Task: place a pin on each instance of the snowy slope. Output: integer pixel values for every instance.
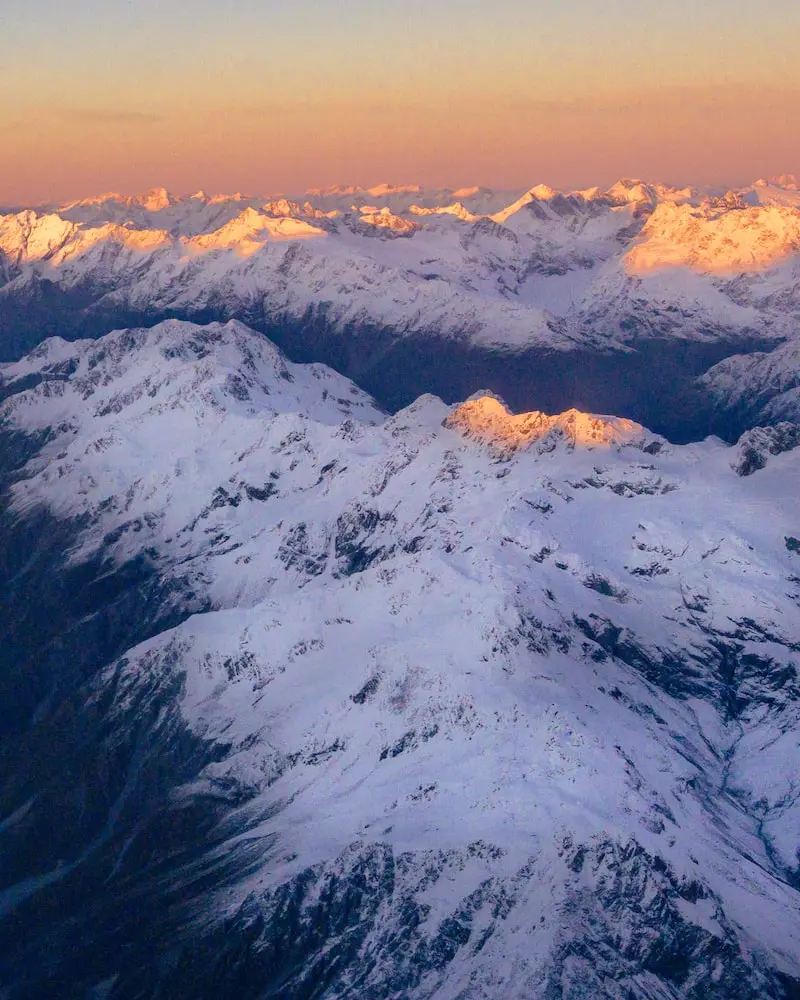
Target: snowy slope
(478, 705)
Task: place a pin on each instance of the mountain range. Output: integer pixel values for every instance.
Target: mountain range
(380, 618)
(550, 299)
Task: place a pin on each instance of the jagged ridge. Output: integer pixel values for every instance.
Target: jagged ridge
(453, 721)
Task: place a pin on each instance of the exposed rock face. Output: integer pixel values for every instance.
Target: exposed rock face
(755, 446)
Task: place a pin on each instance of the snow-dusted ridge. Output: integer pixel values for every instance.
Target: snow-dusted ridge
(761, 387)
(486, 418)
(477, 705)
(502, 283)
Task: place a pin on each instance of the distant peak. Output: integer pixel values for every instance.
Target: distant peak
(219, 199)
(98, 199)
(283, 208)
(334, 190)
(386, 219)
(631, 190)
(155, 199)
(376, 191)
(457, 209)
(250, 229)
(786, 181)
(381, 190)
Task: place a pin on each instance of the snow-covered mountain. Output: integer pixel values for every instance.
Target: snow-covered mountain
(763, 387)
(314, 701)
(611, 300)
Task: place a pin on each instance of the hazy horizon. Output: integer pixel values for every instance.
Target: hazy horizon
(265, 98)
(342, 187)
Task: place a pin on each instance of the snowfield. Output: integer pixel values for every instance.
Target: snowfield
(450, 703)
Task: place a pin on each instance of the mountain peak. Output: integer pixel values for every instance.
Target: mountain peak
(787, 181)
(384, 218)
(457, 208)
(154, 200)
(381, 190)
(485, 418)
(250, 229)
(283, 208)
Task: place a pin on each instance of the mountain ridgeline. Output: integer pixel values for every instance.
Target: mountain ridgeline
(639, 300)
(302, 700)
(379, 619)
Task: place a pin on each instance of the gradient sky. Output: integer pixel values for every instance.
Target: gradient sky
(267, 96)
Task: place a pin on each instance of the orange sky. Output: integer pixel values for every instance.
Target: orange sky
(265, 99)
